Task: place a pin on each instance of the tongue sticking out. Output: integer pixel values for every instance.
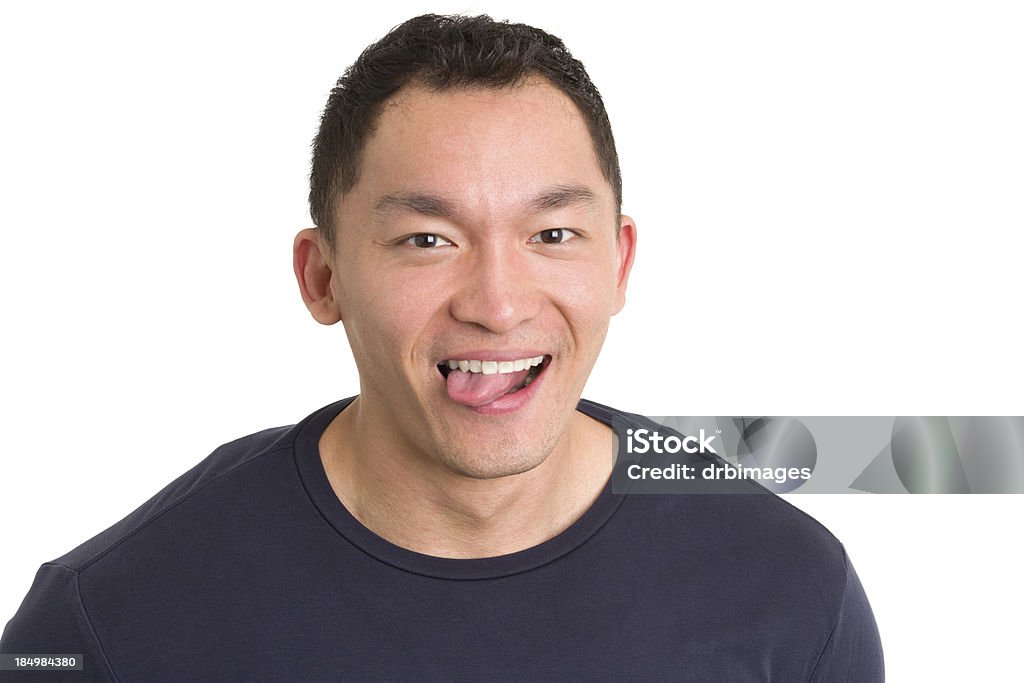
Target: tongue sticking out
(475, 389)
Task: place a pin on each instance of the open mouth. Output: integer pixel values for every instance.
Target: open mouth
(477, 383)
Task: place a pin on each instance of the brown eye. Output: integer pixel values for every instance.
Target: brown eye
(553, 236)
(427, 240)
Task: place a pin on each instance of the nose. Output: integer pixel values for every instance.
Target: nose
(498, 290)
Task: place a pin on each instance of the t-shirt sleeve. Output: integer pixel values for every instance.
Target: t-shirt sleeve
(52, 620)
(853, 652)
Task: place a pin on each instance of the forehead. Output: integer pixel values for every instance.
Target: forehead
(479, 145)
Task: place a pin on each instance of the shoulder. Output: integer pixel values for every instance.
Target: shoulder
(748, 552)
(59, 612)
(756, 538)
(734, 517)
(217, 469)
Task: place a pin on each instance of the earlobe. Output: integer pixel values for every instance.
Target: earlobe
(313, 270)
(626, 249)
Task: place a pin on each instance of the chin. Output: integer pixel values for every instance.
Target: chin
(497, 457)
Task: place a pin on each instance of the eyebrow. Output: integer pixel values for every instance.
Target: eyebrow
(564, 195)
(427, 204)
(416, 202)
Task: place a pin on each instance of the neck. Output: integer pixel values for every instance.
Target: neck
(418, 504)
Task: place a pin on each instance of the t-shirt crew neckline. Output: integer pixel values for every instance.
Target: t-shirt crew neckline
(314, 478)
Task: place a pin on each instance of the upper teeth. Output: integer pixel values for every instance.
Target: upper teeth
(495, 367)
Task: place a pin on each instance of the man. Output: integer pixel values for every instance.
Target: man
(455, 519)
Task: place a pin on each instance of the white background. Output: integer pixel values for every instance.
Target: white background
(829, 204)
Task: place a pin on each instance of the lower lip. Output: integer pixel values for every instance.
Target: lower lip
(509, 403)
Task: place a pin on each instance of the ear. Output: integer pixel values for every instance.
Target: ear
(312, 262)
(626, 249)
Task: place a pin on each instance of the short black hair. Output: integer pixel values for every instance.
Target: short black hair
(443, 52)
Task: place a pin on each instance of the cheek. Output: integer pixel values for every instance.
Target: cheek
(385, 312)
(585, 292)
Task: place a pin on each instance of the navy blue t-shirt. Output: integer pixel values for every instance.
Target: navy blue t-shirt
(248, 567)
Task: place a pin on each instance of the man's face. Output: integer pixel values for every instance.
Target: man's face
(480, 230)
